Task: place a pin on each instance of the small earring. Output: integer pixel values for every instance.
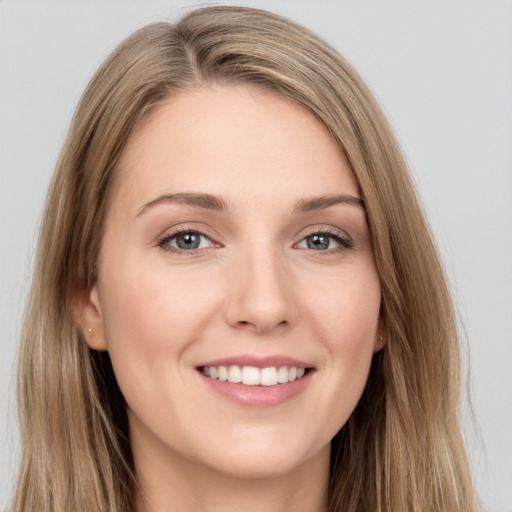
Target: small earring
(89, 331)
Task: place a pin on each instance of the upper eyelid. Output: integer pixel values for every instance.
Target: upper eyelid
(186, 228)
(323, 228)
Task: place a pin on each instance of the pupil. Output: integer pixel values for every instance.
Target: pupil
(188, 241)
(318, 242)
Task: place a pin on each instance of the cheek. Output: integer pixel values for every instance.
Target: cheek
(150, 320)
(346, 316)
(347, 308)
(151, 306)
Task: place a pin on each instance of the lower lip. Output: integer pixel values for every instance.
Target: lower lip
(258, 396)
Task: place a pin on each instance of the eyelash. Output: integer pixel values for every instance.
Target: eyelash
(164, 242)
(344, 241)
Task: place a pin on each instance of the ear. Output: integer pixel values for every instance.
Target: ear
(381, 336)
(87, 315)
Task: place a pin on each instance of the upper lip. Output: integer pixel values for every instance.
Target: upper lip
(257, 361)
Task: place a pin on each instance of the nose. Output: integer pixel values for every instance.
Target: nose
(261, 296)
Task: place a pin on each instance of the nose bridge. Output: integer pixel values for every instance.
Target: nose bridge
(261, 295)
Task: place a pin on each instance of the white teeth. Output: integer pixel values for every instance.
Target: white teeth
(252, 376)
(269, 376)
(223, 373)
(282, 375)
(234, 374)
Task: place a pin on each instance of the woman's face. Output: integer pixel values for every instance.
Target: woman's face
(235, 247)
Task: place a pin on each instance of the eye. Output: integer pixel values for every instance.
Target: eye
(324, 241)
(186, 241)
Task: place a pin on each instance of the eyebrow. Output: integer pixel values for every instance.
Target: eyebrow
(323, 202)
(216, 203)
(205, 201)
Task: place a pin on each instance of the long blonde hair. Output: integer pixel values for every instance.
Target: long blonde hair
(401, 449)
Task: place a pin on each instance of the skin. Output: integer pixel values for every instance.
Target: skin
(253, 287)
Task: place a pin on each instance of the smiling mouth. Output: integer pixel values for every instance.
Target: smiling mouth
(253, 376)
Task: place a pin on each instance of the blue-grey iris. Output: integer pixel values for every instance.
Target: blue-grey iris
(318, 242)
(188, 240)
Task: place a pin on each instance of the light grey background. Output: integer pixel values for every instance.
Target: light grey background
(441, 70)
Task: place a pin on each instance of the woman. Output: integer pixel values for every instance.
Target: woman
(237, 303)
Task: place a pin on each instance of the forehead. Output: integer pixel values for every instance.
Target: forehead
(237, 141)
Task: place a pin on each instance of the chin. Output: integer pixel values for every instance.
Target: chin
(270, 457)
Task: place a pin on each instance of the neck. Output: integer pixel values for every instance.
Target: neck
(169, 481)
